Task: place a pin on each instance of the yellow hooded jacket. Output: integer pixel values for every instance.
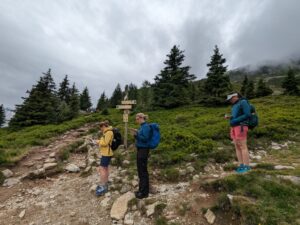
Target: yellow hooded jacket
(105, 142)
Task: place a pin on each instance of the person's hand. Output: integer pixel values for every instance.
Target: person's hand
(133, 131)
(226, 116)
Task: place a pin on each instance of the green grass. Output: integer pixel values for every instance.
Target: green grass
(265, 199)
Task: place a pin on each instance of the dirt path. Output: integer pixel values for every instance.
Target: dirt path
(69, 198)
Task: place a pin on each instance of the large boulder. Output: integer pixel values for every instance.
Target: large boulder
(120, 206)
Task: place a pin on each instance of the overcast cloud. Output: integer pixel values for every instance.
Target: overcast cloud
(102, 43)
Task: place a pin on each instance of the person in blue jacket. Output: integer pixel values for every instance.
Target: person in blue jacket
(142, 137)
(240, 114)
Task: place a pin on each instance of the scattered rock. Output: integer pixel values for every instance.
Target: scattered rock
(50, 160)
(7, 173)
(93, 188)
(253, 165)
(22, 214)
(52, 155)
(48, 166)
(42, 204)
(125, 188)
(210, 216)
(128, 219)
(11, 182)
(126, 162)
(72, 168)
(293, 179)
(275, 146)
(280, 167)
(120, 206)
(134, 183)
(182, 172)
(105, 202)
(196, 177)
(151, 209)
(72, 214)
(190, 169)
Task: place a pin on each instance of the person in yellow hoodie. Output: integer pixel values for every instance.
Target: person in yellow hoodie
(106, 154)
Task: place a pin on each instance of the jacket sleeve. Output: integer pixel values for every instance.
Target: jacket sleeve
(106, 139)
(143, 134)
(246, 113)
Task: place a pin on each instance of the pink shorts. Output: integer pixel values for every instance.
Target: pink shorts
(239, 133)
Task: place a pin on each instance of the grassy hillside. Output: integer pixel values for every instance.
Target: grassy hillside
(199, 135)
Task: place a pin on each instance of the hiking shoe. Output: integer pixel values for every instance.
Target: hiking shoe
(101, 190)
(244, 169)
(239, 168)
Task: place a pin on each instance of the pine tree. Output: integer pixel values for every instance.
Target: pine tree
(262, 89)
(244, 86)
(40, 107)
(85, 100)
(116, 97)
(290, 84)
(74, 103)
(250, 91)
(132, 91)
(2, 115)
(102, 102)
(171, 85)
(64, 90)
(217, 83)
(145, 96)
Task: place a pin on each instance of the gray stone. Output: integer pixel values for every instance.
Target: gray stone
(120, 206)
(196, 177)
(7, 173)
(11, 182)
(190, 169)
(210, 216)
(125, 188)
(93, 188)
(52, 155)
(126, 162)
(50, 160)
(280, 167)
(128, 219)
(72, 168)
(22, 214)
(48, 166)
(182, 172)
(151, 209)
(134, 183)
(293, 179)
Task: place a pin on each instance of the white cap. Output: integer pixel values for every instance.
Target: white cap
(230, 96)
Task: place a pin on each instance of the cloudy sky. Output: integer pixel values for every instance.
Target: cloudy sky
(102, 43)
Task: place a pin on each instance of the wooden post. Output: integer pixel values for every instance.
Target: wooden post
(126, 106)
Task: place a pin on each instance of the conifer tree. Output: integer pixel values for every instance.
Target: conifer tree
(64, 90)
(262, 89)
(74, 103)
(244, 86)
(2, 115)
(102, 102)
(85, 100)
(116, 97)
(171, 85)
(250, 91)
(290, 84)
(41, 105)
(217, 83)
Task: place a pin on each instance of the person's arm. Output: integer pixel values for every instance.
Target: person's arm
(143, 134)
(245, 107)
(106, 139)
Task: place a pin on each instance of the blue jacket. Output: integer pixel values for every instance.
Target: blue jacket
(240, 113)
(143, 135)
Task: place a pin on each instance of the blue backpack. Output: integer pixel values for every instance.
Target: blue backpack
(155, 135)
(252, 122)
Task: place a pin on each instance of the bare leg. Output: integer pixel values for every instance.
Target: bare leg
(245, 152)
(104, 175)
(238, 152)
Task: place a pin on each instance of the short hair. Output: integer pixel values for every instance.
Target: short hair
(104, 123)
(142, 115)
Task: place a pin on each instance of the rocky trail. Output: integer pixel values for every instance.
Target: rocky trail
(42, 189)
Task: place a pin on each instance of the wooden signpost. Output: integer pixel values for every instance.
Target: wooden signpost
(126, 105)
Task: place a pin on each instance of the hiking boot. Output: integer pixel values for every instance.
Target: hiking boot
(244, 169)
(101, 190)
(141, 195)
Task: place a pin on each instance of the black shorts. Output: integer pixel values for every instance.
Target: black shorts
(105, 161)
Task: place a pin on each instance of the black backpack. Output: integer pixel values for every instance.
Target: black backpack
(117, 139)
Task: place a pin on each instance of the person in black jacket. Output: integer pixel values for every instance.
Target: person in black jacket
(142, 136)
